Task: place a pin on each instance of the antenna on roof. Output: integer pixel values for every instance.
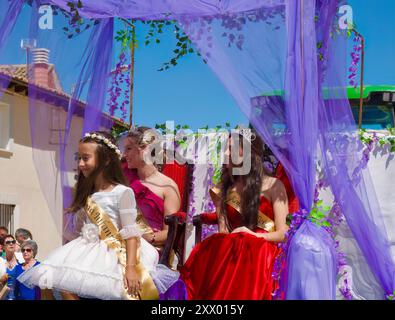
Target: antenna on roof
(28, 44)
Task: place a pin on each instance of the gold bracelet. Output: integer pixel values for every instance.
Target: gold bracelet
(131, 265)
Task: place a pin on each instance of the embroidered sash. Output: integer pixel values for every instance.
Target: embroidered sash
(233, 199)
(110, 235)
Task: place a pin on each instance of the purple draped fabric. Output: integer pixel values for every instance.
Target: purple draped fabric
(95, 71)
(9, 13)
(312, 257)
(177, 291)
(266, 54)
(9, 17)
(311, 263)
(165, 9)
(341, 157)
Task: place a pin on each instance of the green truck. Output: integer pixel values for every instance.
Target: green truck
(378, 111)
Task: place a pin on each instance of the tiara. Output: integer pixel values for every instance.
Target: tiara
(106, 141)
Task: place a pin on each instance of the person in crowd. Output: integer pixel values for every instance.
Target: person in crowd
(22, 235)
(11, 263)
(29, 250)
(3, 233)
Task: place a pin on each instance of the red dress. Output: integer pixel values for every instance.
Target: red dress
(236, 266)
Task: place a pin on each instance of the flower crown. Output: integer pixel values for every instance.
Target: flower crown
(106, 141)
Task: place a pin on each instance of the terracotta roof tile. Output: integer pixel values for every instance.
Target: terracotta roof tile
(18, 72)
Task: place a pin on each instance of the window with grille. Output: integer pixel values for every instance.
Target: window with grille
(5, 125)
(7, 217)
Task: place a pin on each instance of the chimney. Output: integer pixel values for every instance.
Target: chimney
(41, 66)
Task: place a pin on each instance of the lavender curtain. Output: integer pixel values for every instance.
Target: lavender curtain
(95, 73)
(341, 157)
(9, 13)
(266, 54)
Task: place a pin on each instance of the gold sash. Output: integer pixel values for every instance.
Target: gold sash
(233, 199)
(110, 235)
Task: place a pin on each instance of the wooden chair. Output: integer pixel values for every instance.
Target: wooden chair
(211, 217)
(182, 175)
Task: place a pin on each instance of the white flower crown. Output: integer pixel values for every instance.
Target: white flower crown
(106, 141)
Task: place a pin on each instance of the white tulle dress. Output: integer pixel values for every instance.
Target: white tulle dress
(86, 266)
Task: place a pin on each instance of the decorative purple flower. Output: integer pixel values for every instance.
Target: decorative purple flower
(355, 58)
(115, 90)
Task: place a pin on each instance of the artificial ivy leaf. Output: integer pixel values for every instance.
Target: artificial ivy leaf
(326, 224)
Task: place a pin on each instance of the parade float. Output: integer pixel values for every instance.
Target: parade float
(294, 48)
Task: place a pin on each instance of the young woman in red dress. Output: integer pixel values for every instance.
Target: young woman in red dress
(236, 263)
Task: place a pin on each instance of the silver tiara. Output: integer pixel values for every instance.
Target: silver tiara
(247, 134)
(106, 141)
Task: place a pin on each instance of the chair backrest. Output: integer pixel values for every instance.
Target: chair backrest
(293, 201)
(182, 176)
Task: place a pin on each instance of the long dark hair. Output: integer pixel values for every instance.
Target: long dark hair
(108, 163)
(252, 182)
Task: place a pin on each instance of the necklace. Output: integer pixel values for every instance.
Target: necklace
(11, 263)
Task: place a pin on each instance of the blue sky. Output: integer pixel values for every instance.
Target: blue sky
(191, 94)
(375, 20)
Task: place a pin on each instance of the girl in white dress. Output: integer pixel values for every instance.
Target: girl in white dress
(93, 264)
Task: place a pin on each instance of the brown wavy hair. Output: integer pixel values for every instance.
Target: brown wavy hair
(108, 163)
(252, 183)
